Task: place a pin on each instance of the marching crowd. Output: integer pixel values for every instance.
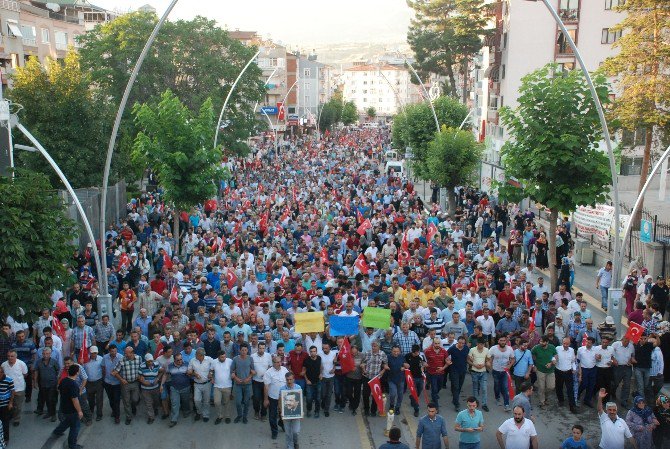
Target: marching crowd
(208, 324)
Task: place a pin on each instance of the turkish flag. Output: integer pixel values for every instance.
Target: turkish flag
(238, 227)
(432, 267)
(57, 326)
(403, 257)
(124, 261)
(231, 279)
(634, 332)
(347, 362)
(404, 244)
(246, 205)
(359, 216)
(364, 227)
(376, 390)
(174, 295)
(429, 251)
(361, 264)
(347, 203)
(263, 224)
(526, 298)
(443, 271)
(409, 380)
(83, 352)
(585, 338)
(167, 262)
(280, 111)
(324, 255)
(432, 231)
(159, 350)
(510, 385)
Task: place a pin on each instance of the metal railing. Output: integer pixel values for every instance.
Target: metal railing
(32, 41)
(10, 5)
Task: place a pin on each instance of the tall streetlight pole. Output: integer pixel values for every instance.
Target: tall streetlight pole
(425, 93)
(614, 297)
(265, 113)
(87, 225)
(104, 297)
(230, 93)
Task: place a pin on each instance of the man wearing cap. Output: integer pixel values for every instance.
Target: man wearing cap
(149, 378)
(200, 369)
(94, 387)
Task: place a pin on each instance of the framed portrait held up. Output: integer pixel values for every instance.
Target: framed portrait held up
(291, 404)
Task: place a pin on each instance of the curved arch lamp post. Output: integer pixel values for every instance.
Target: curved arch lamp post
(230, 93)
(614, 311)
(283, 103)
(70, 190)
(425, 92)
(105, 298)
(265, 113)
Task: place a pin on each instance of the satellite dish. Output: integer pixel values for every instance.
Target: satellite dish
(53, 6)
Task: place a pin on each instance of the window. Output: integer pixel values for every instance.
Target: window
(45, 36)
(365, 100)
(501, 101)
(15, 60)
(365, 82)
(609, 37)
(13, 29)
(307, 73)
(61, 40)
(569, 4)
(611, 4)
(563, 47)
(29, 35)
(365, 91)
(306, 99)
(569, 10)
(566, 66)
(502, 74)
(504, 40)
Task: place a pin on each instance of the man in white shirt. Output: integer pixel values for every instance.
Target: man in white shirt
(623, 361)
(485, 320)
(274, 378)
(328, 358)
(519, 432)
(566, 359)
(614, 430)
(223, 385)
(199, 368)
(604, 364)
(586, 355)
(17, 370)
(262, 362)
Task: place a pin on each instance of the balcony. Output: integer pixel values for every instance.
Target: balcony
(569, 15)
(492, 116)
(10, 5)
(30, 41)
(61, 46)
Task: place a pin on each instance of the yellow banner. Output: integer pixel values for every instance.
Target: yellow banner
(309, 322)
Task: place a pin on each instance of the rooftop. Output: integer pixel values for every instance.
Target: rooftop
(372, 68)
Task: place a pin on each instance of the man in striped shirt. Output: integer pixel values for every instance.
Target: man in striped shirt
(149, 378)
(434, 322)
(6, 402)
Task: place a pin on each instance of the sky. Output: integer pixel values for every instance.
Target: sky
(294, 22)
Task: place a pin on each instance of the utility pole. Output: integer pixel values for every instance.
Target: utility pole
(6, 153)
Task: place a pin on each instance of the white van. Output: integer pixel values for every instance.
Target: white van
(391, 155)
(398, 168)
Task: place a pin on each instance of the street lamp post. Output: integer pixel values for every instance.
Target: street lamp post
(283, 105)
(104, 297)
(230, 93)
(87, 225)
(613, 302)
(265, 113)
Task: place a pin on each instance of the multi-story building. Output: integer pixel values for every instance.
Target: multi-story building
(525, 39)
(312, 80)
(388, 88)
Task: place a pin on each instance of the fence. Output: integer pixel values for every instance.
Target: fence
(634, 246)
(90, 201)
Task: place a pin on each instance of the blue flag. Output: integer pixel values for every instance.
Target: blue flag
(343, 325)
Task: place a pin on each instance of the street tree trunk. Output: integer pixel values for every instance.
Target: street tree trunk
(452, 82)
(553, 218)
(464, 71)
(646, 162)
(176, 232)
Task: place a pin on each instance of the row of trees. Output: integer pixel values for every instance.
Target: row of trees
(336, 110)
(448, 158)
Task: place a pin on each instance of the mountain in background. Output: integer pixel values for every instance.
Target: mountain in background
(347, 53)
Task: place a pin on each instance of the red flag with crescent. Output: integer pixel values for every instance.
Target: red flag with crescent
(634, 332)
(364, 227)
(409, 380)
(376, 390)
(231, 279)
(359, 216)
(324, 255)
(347, 362)
(432, 231)
(510, 385)
(361, 264)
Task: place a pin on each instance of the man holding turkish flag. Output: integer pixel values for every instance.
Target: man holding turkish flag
(364, 226)
(375, 387)
(374, 365)
(432, 231)
(324, 256)
(359, 216)
(345, 357)
(361, 264)
(231, 279)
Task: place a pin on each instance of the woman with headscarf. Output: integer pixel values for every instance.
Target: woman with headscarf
(662, 432)
(642, 422)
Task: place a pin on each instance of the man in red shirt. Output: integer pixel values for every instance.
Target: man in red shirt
(506, 296)
(437, 362)
(296, 358)
(158, 285)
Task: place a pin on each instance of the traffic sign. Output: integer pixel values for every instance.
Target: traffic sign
(269, 110)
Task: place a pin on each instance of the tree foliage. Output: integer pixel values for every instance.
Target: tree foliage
(36, 240)
(553, 151)
(371, 112)
(453, 157)
(446, 34)
(641, 72)
(349, 113)
(195, 58)
(331, 111)
(415, 128)
(71, 120)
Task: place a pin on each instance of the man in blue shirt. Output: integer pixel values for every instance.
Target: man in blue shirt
(470, 423)
(523, 363)
(432, 430)
(459, 366)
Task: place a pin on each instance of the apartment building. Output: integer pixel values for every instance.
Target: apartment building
(525, 39)
(386, 87)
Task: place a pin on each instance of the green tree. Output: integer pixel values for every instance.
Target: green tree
(36, 240)
(553, 151)
(453, 158)
(69, 118)
(371, 113)
(195, 58)
(178, 143)
(349, 113)
(640, 70)
(415, 128)
(331, 111)
(445, 35)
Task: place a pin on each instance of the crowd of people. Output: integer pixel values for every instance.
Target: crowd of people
(208, 313)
